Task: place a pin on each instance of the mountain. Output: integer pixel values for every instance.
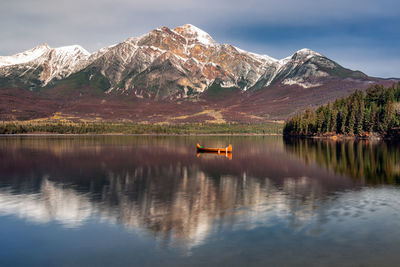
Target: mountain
(37, 67)
(182, 73)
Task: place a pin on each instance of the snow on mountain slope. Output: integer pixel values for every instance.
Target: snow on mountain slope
(46, 62)
(303, 68)
(24, 57)
(193, 34)
(265, 58)
(63, 61)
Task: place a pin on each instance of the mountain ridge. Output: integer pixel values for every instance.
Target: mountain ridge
(180, 64)
(191, 35)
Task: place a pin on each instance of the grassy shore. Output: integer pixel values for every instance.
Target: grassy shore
(20, 127)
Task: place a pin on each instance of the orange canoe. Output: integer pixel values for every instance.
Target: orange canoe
(227, 149)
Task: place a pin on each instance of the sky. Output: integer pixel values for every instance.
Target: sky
(358, 34)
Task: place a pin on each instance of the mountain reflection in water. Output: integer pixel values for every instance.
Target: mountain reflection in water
(160, 185)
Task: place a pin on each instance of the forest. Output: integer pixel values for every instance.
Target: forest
(377, 110)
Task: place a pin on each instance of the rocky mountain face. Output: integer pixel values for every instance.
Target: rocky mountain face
(181, 63)
(177, 63)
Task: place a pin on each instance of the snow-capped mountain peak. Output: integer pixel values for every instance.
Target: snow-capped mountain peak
(195, 34)
(306, 52)
(25, 56)
(72, 50)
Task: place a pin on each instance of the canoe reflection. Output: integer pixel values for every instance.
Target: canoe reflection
(214, 154)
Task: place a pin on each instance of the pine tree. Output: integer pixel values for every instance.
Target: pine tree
(351, 117)
(319, 121)
(367, 123)
(333, 124)
(388, 123)
(343, 120)
(397, 92)
(360, 118)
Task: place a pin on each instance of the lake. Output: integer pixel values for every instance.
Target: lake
(153, 201)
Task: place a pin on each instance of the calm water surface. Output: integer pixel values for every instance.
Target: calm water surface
(152, 201)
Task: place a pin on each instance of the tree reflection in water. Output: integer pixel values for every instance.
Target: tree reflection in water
(372, 162)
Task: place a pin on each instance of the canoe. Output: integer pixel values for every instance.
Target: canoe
(227, 149)
(221, 154)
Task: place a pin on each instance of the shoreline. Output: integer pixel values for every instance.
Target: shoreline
(124, 134)
(372, 138)
(196, 129)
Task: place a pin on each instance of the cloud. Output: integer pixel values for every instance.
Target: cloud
(254, 23)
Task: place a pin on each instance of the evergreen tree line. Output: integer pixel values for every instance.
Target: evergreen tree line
(137, 128)
(376, 110)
